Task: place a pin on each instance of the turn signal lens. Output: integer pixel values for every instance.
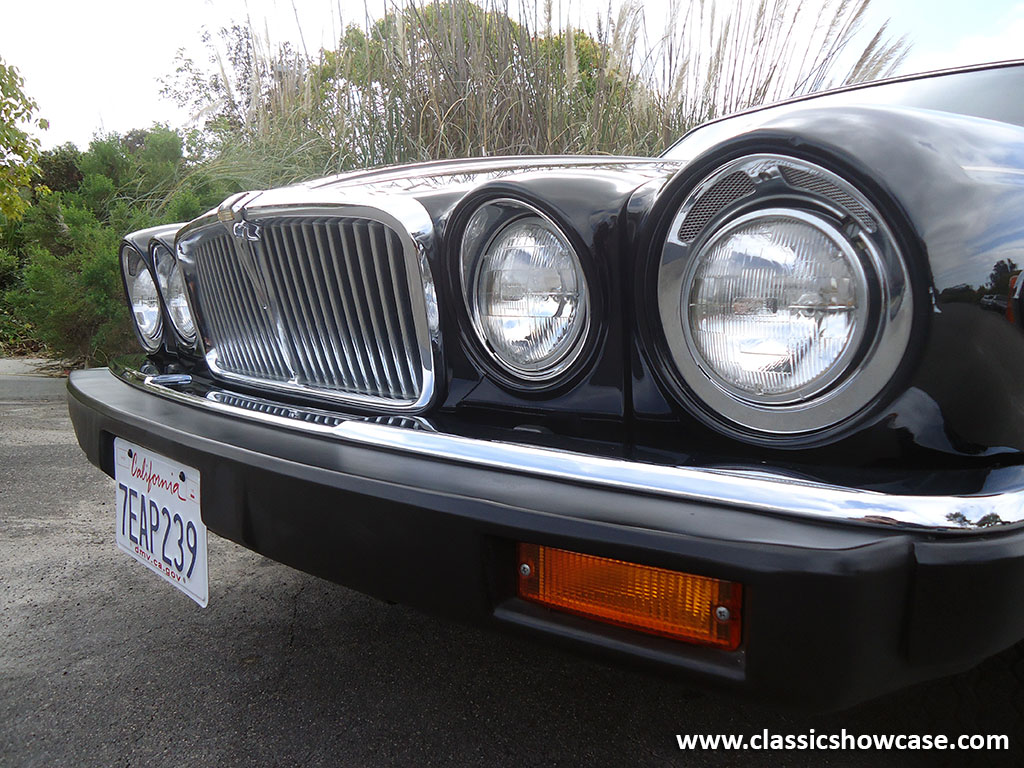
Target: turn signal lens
(682, 606)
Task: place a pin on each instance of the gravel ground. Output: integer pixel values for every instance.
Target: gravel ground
(103, 664)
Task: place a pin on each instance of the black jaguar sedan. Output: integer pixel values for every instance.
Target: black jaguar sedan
(736, 412)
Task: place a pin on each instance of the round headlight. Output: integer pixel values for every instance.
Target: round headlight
(172, 285)
(784, 300)
(143, 297)
(775, 306)
(526, 293)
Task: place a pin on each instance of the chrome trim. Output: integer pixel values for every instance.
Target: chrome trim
(756, 491)
(171, 379)
(881, 353)
(406, 218)
(156, 244)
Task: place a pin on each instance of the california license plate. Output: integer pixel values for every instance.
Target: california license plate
(158, 519)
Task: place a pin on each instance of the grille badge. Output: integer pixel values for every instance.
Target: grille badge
(246, 230)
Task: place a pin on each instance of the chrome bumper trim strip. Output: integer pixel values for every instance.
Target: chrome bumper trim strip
(757, 491)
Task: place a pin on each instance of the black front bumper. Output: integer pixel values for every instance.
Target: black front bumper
(833, 613)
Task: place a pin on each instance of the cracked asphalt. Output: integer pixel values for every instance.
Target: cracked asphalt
(103, 664)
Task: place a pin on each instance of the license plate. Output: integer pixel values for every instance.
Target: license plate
(158, 520)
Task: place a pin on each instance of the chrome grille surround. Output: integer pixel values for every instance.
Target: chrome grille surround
(326, 299)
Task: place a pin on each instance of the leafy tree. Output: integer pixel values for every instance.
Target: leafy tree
(19, 150)
(999, 278)
(59, 168)
(59, 272)
(429, 79)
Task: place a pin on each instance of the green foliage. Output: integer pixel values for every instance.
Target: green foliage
(19, 150)
(60, 284)
(75, 303)
(184, 205)
(58, 168)
(9, 269)
(453, 78)
(427, 80)
(999, 277)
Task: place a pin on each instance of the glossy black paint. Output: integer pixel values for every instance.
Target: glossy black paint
(952, 187)
(943, 156)
(832, 615)
(586, 198)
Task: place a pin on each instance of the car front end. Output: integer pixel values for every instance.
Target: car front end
(736, 412)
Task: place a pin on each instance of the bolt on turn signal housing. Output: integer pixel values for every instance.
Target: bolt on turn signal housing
(658, 601)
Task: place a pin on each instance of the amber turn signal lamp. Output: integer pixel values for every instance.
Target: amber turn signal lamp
(694, 609)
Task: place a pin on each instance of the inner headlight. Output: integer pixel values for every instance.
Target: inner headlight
(172, 285)
(776, 305)
(143, 297)
(525, 290)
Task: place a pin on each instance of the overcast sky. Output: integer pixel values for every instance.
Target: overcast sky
(93, 65)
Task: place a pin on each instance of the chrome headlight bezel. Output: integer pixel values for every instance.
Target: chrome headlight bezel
(759, 185)
(485, 224)
(162, 256)
(135, 267)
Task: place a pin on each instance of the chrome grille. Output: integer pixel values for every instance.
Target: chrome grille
(241, 329)
(321, 303)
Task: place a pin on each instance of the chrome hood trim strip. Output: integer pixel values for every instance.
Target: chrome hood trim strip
(755, 491)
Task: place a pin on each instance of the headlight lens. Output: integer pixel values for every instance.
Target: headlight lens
(785, 302)
(527, 296)
(142, 294)
(776, 305)
(172, 285)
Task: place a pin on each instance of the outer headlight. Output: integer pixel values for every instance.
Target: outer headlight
(143, 297)
(171, 280)
(525, 290)
(783, 297)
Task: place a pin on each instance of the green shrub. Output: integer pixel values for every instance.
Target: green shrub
(184, 205)
(70, 294)
(74, 304)
(10, 269)
(430, 79)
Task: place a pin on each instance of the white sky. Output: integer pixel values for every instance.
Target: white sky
(93, 65)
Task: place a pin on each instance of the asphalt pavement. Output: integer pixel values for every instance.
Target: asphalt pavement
(104, 664)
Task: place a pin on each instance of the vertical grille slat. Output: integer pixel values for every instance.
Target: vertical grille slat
(264, 355)
(285, 306)
(305, 328)
(321, 308)
(342, 281)
(353, 290)
(291, 304)
(403, 304)
(237, 309)
(388, 308)
(366, 293)
(242, 308)
(340, 318)
(346, 354)
(219, 315)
